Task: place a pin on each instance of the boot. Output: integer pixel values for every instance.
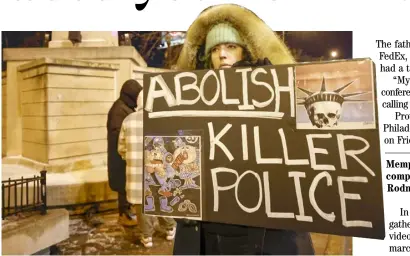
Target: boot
(164, 205)
(127, 220)
(150, 206)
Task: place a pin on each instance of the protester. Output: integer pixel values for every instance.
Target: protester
(121, 108)
(130, 147)
(226, 36)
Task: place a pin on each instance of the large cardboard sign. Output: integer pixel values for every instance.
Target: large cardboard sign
(288, 147)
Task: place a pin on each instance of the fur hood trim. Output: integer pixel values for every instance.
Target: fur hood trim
(259, 38)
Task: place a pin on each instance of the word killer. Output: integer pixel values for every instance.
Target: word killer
(215, 140)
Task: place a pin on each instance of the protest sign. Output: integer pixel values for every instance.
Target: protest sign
(287, 147)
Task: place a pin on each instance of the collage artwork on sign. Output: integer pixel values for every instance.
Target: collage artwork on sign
(172, 176)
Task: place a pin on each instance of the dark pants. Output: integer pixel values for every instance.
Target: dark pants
(273, 242)
(199, 238)
(123, 205)
(224, 245)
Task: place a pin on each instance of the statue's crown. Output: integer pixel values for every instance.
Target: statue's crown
(325, 95)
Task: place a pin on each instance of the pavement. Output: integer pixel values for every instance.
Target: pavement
(87, 237)
(109, 238)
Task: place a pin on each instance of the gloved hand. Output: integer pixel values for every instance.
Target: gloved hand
(264, 62)
(257, 63)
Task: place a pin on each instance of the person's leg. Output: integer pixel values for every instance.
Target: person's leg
(122, 202)
(210, 244)
(188, 238)
(145, 227)
(169, 225)
(222, 244)
(226, 239)
(287, 242)
(125, 218)
(234, 245)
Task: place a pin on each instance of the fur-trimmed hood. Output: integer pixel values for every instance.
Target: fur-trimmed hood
(259, 38)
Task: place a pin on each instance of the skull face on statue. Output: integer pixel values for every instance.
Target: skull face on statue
(325, 113)
(324, 107)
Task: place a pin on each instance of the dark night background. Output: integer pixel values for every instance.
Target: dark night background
(305, 45)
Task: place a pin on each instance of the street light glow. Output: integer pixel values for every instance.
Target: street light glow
(333, 54)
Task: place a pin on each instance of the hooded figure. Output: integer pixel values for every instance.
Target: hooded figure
(121, 108)
(233, 27)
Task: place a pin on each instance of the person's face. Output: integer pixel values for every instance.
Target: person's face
(225, 55)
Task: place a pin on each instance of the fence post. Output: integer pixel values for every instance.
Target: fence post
(21, 193)
(3, 204)
(15, 197)
(8, 197)
(34, 192)
(44, 191)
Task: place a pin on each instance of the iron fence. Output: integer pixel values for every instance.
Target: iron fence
(16, 193)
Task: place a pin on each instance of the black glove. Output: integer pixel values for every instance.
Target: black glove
(257, 63)
(264, 62)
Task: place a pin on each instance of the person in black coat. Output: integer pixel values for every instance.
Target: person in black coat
(226, 36)
(121, 108)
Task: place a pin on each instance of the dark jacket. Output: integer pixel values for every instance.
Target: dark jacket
(212, 238)
(200, 238)
(121, 108)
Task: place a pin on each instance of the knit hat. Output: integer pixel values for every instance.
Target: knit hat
(222, 33)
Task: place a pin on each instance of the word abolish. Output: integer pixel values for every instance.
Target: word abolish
(218, 83)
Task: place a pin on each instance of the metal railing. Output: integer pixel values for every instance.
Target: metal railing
(16, 193)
